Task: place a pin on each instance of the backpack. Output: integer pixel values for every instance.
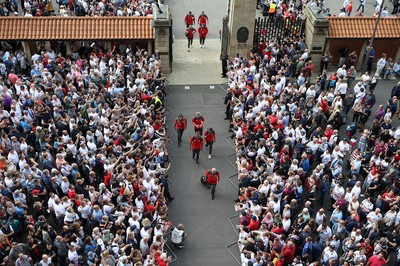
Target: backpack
(351, 129)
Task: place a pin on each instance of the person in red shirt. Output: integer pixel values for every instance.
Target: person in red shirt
(107, 178)
(190, 35)
(196, 144)
(161, 258)
(377, 260)
(213, 177)
(209, 139)
(254, 223)
(202, 19)
(149, 207)
(203, 30)
(328, 132)
(198, 122)
(180, 125)
(189, 19)
(288, 252)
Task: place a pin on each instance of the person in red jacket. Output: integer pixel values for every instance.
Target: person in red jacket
(189, 19)
(209, 139)
(196, 144)
(180, 125)
(203, 30)
(202, 19)
(198, 122)
(289, 250)
(212, 180)
(190, 35)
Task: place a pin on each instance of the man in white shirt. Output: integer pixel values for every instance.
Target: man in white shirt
(329, 253)
(374, 217)
(85, 209)
(59, 210)
(13, 157)
(341, 88)
(358, 87)
(342, 72)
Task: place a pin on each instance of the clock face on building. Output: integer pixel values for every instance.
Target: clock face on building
(242, 35)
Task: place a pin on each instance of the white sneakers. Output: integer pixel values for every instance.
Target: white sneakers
(209, 156)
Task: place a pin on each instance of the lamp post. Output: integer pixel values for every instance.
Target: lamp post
(371, 41)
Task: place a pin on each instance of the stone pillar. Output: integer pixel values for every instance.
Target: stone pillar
(361, 56)
(316, 33)
(29, 49)
(162, 24)
(397, 57)
(150, 47)
(242, 15)
(69, 49)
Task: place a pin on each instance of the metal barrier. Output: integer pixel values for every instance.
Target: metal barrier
(172, 253)
(230, 181)
(167, 109)
(230, 252)
(220, 85)
(169, 143)
(227, 158)
(233, 225)
(171, 183)
(230, 143)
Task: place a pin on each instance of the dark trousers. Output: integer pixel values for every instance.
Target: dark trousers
(369, 66)
(362, 8)
(321, 198)
(324, 65)
(167, 194)
(227, 111)
(190, 42)
(180, 133)
(209, 144)
(224, 67)
(200, 130)
(202, 40)
(195, 154)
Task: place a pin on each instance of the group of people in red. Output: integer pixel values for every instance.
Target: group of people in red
(190, 21)
(196, 144)
(198, 140)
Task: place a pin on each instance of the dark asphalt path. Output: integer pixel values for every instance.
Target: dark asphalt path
(206, 221)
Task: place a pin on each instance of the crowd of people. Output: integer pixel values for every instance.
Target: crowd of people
(293, 9)
(83, 159)
(41, 8)
(311, 193)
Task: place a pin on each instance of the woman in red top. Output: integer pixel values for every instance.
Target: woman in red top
(209, 139)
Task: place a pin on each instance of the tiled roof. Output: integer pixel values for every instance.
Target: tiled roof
(75, 28)
(362, 27)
